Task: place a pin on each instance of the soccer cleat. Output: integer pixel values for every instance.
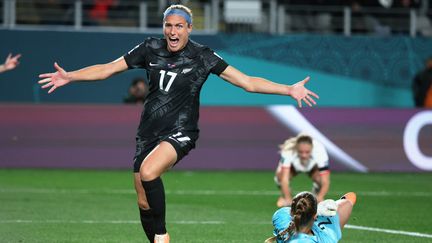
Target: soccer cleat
(350, 196)
(162, 238)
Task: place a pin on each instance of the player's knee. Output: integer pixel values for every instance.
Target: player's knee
(147, 174)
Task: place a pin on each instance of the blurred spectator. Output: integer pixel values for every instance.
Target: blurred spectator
(368, 20)
(422, 86)
(137, 91)
(10, 63)
(99, 11)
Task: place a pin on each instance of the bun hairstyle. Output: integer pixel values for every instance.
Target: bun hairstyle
(303, 210)
(291, 143)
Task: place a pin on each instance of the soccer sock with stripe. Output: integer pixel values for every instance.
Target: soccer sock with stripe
(147, 223)
(155, 194)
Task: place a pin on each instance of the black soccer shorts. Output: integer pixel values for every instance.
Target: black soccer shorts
(182, 141)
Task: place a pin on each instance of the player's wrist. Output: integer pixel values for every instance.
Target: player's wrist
(70, 77)
(288, 90)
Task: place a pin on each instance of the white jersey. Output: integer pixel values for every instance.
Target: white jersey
(319, 158)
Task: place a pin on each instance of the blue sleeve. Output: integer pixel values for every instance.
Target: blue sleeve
(336, 224)
(329, 228)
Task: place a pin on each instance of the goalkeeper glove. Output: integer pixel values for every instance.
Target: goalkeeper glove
(327, 208)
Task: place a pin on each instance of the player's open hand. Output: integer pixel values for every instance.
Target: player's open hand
(11, 61)
(301, 94)
(54, 80)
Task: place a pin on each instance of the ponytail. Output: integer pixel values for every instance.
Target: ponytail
(303, 210)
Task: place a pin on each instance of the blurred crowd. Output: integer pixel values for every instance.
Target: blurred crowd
(381, 17)
(369, 16)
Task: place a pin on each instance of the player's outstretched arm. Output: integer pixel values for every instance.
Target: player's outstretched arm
(297, 91)
(91, 73)
(325, 185)
(285, 187)
(10, 63)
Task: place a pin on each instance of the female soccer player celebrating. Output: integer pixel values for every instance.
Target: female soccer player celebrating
(308, 221)
(177, 68)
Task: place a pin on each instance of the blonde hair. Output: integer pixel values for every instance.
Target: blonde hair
(180, 7)
(291, 143)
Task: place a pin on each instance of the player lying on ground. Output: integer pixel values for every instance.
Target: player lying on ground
(308, 221)
(177, 67)
(302, 154)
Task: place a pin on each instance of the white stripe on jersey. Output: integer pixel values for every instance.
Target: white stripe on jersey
(182, 139)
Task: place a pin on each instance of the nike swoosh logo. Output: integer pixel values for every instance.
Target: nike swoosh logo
(153, 64)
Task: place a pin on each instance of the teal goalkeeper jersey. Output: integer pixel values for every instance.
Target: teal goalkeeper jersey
(325, 229)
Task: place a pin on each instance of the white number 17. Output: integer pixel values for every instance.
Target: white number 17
(162, 77)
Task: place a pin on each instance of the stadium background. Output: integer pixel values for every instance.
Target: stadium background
(364, 81)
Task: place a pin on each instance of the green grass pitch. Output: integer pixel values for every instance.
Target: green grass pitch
(100, 206)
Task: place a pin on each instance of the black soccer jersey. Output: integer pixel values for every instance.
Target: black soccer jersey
(175, 81)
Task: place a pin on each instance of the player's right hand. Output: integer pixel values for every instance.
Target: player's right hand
(54, 80)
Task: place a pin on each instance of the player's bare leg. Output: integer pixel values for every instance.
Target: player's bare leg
(157, 162)
(345, 206)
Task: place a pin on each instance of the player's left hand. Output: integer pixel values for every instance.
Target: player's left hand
(282, 202)
(11, 61)
(301, 94)
(327, 208)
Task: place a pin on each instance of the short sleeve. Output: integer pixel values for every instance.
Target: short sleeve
(287, 158)
(320, 156)
(213, 62)
(135, 58)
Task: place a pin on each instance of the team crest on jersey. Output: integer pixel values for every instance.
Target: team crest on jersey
(186, 70)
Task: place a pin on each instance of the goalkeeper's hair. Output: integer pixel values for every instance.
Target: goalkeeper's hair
(303, 209)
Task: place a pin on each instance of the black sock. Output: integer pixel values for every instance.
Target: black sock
(147, 223)
(155, 194)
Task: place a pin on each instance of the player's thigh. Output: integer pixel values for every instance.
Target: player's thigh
(160, 159)
(344, 211)
(141, 197)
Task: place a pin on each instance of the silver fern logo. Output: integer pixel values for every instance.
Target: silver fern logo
(186, 70)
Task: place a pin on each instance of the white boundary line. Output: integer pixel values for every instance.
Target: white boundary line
(202, 192)
(195, 222)
(55, 221)
(389, 231)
